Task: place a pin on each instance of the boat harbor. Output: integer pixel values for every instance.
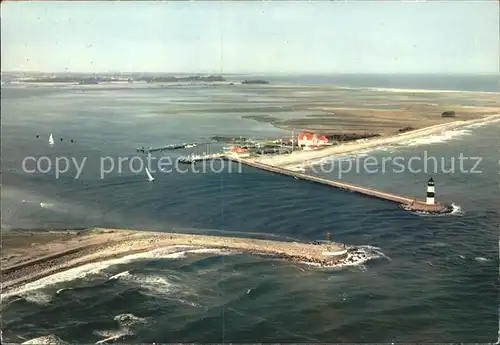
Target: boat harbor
(247, 149)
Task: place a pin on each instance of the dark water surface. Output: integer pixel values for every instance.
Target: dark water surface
(437, 279)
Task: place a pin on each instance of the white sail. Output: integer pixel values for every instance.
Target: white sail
(51, 139)
(150, 178)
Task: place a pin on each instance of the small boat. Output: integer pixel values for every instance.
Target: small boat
(150, 177)
(51, 139)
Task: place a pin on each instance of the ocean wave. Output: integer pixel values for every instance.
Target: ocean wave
(96, 268)
(46, 205)
(357, 256)
(125, 321)
(124, 274)
(456, 211)
(430, 139)
(46, 339)
(153, 283)
(482, 124)
(436, 138)
(129, 319)
(481, 259)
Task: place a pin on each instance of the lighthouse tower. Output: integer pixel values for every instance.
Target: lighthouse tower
(430, 192)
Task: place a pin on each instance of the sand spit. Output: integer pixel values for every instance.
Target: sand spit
(31, 263)
(304, 158)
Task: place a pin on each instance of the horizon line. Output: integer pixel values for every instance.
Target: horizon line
(258, 73)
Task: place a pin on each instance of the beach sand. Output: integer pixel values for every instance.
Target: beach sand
(301, 159)
(29, 256)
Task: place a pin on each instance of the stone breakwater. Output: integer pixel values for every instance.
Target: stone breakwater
(32, 262)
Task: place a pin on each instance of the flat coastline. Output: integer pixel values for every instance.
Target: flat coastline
(29, 256)
(301, 159)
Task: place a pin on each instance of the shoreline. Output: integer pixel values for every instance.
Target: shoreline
(33, 261)
(300, 159)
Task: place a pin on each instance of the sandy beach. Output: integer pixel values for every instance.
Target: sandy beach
(300, 159)
(29, 256)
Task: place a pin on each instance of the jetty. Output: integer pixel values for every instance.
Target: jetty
(409, 204)
(167, 147)
(193, 158)
(31, 261)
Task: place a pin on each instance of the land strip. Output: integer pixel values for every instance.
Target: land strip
(33, 262)
(304, 158)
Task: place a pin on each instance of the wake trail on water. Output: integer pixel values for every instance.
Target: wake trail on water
(47, 205)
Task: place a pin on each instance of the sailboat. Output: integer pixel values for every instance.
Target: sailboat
(51, 139)
(150, 178)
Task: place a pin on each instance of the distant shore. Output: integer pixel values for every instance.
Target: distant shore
(29, 256)
(301, 159)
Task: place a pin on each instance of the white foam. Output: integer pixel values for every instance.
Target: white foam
(436, 138)
(481, 124)
(129, 319)
(438, 244)
(125, 321)
(46, 339)
(357, 256)
(37, 297)
(46, 205)
(153, 283)
(481, 259)
(95, 268)
(396, 90)
(113, 335)
(457, 210)
(120, 275)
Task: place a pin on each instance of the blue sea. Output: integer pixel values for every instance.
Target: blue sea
(427, 278)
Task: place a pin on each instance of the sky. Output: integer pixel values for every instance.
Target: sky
(449, 37)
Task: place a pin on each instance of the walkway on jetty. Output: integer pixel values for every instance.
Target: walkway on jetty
(90, 246)
(411, 203)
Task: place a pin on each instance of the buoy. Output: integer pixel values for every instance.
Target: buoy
(61, 139)
(38, 135)
(72, 140)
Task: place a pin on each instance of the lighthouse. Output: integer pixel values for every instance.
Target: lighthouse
(430, 192)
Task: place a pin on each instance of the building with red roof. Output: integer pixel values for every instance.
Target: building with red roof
(239, 151)
(308, 140)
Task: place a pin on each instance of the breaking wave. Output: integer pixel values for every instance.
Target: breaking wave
(95, 268)
(125, 321)
(46, 339)
(437, 138)
(456, 211)
(356, 256)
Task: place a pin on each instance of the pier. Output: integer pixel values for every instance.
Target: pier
(168, 147)
(191, 159)
(409, 204)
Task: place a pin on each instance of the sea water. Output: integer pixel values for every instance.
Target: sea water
(429, 279)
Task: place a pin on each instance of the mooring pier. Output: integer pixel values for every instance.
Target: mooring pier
(407, 203)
